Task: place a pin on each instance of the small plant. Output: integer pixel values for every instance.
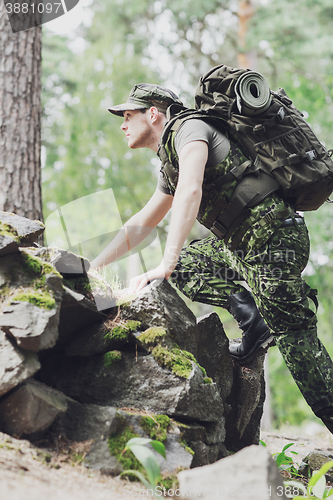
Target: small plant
(316, 489)
(147, 459)
(286, 463)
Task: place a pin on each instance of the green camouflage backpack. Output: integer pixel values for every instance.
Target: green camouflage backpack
(271, 131)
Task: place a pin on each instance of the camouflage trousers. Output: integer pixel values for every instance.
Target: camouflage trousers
(207, 271)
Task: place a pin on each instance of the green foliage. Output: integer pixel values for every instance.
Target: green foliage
(121, 332)
(316, 488)
(174, 359)
(152, 335)
(111, 357)
(117, 442)
(156, 427)
(148, 460)
(39, 298)
(285, 462)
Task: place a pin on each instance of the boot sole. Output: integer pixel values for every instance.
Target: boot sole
(264, 342)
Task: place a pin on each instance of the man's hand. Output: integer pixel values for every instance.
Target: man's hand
(141, 281)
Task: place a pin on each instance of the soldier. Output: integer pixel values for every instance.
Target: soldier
(268, 249)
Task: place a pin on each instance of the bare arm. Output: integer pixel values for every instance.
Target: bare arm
(136, 229)
(192, 161)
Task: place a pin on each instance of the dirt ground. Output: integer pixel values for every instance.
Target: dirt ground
(31, 473)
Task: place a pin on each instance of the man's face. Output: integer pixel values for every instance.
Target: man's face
(137, 128)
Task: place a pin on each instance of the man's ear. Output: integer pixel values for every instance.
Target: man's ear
(153, 114)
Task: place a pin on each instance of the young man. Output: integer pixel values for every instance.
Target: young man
(268, 247)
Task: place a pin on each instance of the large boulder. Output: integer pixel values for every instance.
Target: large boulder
(30, 409)
(250, 473)
(16, 365)
(124, 379)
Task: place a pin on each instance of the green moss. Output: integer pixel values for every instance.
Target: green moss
(186, 446)
(39, 298)
(208, 380)
(122, 332)
(170, 482)
(111, 357)
(117, 442)
(30, 264)
(8, 230)
(156, 427)
(174, 359)
(152, 336)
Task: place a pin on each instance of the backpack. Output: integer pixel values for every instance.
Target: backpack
(272, 132)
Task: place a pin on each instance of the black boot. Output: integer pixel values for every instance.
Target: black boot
(256, 333)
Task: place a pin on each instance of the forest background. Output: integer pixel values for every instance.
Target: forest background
(89, 173)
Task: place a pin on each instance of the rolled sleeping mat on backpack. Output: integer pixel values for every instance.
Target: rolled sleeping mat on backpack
(252, 93)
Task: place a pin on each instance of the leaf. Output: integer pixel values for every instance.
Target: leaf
(148, 460)
(159, 447)
(262, 443)
(317, 474)
(138, 441)
(287, 446)
(328, 492)
(142, 479)
(319, 488)
(298, 486)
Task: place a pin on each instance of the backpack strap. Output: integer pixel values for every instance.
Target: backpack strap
(250, 191)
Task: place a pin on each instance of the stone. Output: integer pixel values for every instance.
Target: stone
(8, 245)
(30, 409)
(33, 328)
(83, 422)
(245, 403)
(64, 261)
(313, 462)
(27, 230)
(134, 381)
(77, 312)
(177, 456)
(158, 304)
(250, 473)
(99, 458)
(16, 365)
(94, 340)
(212, 347)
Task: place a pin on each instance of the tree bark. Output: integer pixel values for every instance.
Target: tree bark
(20, 119)
(245, 13)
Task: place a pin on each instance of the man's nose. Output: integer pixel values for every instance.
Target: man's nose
(123, 126)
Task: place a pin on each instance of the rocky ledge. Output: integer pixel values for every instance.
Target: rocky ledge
(78, 362)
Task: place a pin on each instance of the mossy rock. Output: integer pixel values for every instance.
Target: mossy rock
(123, 331)
(156, 427)
(8, 230)
(29, 279)
(38, 298)
(117, 442)
(111, 357)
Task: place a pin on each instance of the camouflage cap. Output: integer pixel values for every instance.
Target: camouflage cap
(145, 95)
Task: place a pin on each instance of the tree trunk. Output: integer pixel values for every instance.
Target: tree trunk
(245, 13)
(20, 119)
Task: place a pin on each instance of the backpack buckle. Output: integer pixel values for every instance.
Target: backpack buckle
(281, 114)
(312, 155)
(218, 229)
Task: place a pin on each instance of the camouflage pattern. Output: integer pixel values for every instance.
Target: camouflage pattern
(145, 95)
(261, 221)
(270, 259)
(208, 271)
